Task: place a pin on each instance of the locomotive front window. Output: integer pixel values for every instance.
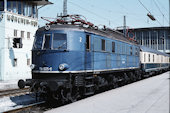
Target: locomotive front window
(38, 41)
(47, 41)
(59, 41)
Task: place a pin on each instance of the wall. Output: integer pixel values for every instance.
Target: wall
(2, 35)
(22, 70)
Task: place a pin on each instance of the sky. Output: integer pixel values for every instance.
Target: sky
(111, 12)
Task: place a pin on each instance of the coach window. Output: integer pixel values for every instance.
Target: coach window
(88, 42)
(113, 47)
(144, 57)
(47, 41)
(149, 57)
(103, 45)
(161, 59)
(153, 58)
(59, 41)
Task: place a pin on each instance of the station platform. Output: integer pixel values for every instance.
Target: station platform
(150, 95)
(8, 85)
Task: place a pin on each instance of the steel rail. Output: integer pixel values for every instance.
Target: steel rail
(13, 92)
(19, 109)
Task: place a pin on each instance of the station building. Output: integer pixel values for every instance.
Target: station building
(18, 24)
(157, 38)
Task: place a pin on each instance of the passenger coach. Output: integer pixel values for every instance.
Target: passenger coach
(152, 61)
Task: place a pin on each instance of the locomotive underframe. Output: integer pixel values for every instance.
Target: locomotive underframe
(72, 86)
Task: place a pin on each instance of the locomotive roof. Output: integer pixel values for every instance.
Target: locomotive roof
(107, 32)
(146, 49)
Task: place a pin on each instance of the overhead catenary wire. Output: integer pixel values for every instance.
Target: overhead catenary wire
(144, 6)
(160, 11)
(149, 12)
(162, 6)
(101, 8)
(90, 11)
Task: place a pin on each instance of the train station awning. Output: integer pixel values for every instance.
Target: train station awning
(37, 2)
(40, 2)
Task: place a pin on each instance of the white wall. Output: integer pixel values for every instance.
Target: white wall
(2, 31)
(22, 70)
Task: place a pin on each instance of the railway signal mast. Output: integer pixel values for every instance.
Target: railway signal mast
(65, 9)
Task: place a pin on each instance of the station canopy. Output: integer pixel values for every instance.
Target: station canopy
(37, 2)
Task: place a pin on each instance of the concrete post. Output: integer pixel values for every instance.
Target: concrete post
(5, 5)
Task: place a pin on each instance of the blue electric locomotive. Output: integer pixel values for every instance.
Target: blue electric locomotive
(74, 58)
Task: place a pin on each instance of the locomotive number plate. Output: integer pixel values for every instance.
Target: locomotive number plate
(45, 68)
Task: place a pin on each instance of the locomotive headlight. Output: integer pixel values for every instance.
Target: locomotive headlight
(63, 67)
(32, 66)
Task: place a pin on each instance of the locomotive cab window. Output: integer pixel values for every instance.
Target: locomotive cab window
(59, 41)
(47, 38)
(88, 42)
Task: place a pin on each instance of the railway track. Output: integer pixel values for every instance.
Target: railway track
(13, 92)
(27, 108)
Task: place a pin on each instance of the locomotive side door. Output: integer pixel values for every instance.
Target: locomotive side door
(88, 53)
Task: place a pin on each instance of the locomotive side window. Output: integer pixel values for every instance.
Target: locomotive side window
(88, 42)
(59, 41)
(103, 45)
(113, 47)
(47, 41)
(131, 50)
(144, 57)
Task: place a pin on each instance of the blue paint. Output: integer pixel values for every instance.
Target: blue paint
(78, 58)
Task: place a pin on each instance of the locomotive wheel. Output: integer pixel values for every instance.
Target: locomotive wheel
(73, 95)
(73, 98)
(132, 77)
(139, 73)
(115, 82)
(126, 79)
